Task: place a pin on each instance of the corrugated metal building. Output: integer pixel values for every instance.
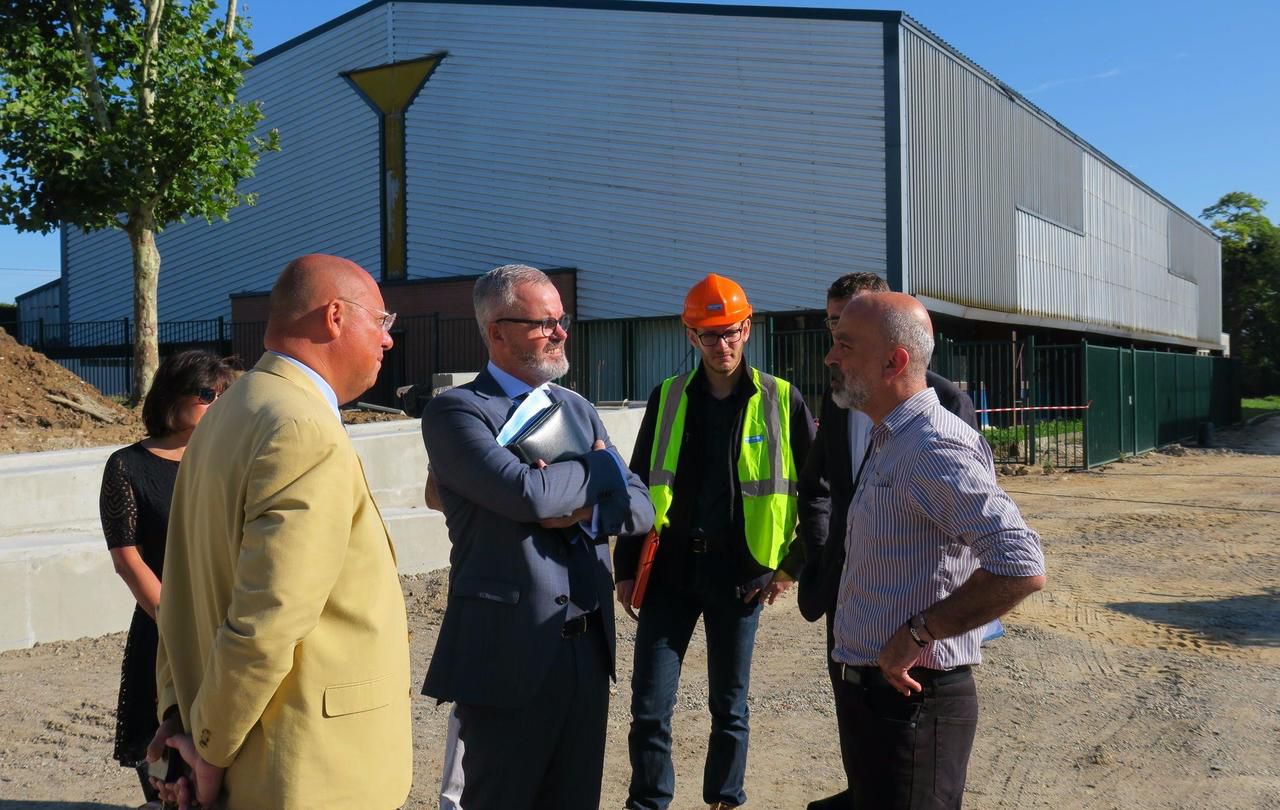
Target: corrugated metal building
(41, 304)
(646, 144)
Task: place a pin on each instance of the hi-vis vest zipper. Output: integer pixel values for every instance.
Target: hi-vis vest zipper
(766, 470)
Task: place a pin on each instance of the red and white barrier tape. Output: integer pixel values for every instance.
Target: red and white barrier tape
(1036, 408)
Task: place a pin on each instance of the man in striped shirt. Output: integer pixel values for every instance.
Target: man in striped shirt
(934, 551)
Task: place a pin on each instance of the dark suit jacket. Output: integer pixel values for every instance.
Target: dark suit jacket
(826, 488)
(509, 578)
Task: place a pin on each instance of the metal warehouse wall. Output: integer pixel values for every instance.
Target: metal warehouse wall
(320, 193)
(42, 303)
(646, 149)
(1004, 211)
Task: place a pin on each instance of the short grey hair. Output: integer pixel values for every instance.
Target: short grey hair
(495, 291)
(905, 330)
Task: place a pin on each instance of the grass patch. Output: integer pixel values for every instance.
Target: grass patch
(1048, 428)
(1256, 406)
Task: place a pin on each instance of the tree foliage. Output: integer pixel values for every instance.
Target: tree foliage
(1250, 286)
(124, 114)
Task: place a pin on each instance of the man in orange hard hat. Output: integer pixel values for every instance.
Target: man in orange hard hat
(719, 448)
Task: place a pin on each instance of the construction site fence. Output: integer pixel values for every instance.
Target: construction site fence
(1067, 406)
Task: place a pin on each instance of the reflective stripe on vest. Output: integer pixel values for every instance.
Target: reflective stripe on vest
(767, 475)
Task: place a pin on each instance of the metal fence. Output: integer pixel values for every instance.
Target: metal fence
(1079, 405)
(1065, 406)
(101, 352)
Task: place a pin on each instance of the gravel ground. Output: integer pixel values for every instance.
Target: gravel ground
(1147, 675)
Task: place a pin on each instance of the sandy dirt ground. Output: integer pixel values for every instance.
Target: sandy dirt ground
(1147, 675)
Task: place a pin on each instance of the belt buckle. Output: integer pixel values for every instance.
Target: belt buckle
(698, 545)
(574, 627)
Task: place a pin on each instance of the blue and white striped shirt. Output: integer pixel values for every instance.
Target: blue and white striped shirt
(927, 513)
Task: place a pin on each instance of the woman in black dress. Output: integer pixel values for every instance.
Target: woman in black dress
(137, 487)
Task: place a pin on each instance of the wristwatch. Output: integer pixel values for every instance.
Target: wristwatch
(915, 634)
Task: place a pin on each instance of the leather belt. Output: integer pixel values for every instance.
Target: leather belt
(872, 676)
(580, 624)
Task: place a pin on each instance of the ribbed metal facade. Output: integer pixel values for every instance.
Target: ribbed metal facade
(973, 159)
(318, 194)
(1005, 211)
(647, 146)
(44, 303)
(646, 150)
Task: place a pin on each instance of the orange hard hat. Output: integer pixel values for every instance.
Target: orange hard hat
(715, 301)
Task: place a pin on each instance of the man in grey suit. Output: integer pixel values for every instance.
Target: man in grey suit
(526, 648)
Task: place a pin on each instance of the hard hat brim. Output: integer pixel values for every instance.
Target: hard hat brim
(718, 320)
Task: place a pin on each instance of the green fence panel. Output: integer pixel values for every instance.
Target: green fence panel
(1102, 381)
(1166, 405)
(1204, 390)
(1125, 401)
(1144, 401)
(1186, 396)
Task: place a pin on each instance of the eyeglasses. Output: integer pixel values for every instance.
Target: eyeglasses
(831, 324)
(207, 395)
(729, 336)
(548, 325)
(385, 319)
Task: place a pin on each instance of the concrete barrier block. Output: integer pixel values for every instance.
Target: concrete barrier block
(421, 539)
(57, 587)
(56, 577)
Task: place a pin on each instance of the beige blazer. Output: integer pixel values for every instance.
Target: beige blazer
(283, 638)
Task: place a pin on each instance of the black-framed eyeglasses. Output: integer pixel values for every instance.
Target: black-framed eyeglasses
(207, 395)
(831, 323)
(385, 319)
(548, 325)
(729, 336)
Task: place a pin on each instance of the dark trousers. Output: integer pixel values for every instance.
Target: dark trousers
(548, 754)
(907, 753)
(667, 621)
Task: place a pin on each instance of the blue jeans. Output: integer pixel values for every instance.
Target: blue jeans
(666, 624)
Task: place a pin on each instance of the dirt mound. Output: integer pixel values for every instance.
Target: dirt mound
(45, 407)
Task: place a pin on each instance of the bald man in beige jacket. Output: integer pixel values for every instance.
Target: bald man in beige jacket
(283, 638)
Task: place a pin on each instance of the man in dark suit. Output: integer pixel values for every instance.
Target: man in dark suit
(526, 648)
(827, 483)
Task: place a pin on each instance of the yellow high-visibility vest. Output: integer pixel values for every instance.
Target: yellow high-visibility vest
(766, 469)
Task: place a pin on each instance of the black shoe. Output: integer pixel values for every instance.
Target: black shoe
(840, 801)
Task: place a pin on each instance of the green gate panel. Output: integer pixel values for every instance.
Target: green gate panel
(1126, 402)
(1102, 386)
(1144, 401)
(1186, 396)
(1166, 399)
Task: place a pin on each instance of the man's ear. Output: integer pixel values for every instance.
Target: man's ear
(897, 364)
(494, 333)
(692, 337)
(335, 317)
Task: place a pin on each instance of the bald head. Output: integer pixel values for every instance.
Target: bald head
(881, 346)
(903, 323)
(309, 282)
(327, 312)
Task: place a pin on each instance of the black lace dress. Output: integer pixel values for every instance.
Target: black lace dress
(137, 487)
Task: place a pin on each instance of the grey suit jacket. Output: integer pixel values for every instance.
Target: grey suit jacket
(509, 580)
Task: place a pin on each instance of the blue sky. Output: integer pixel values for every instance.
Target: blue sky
(1184, 95)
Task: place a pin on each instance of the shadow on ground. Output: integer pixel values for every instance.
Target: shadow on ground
(1261, 437)
(1245, 621)
(25, 804)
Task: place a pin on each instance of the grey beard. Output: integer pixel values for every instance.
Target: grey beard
(544, 368)
(849, 395)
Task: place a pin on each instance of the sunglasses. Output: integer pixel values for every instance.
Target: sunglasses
(207, 395)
